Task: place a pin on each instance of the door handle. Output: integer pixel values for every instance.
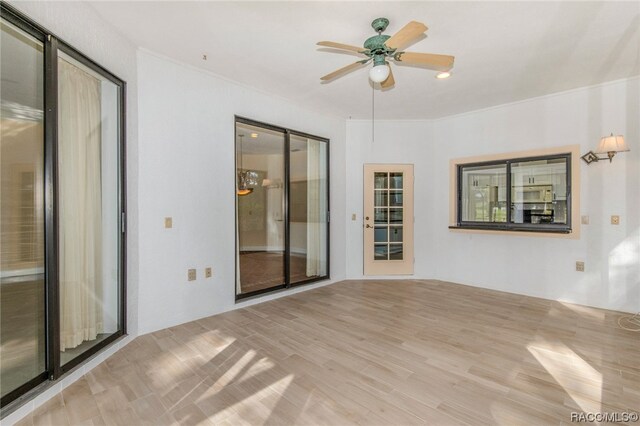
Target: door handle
(368, 226)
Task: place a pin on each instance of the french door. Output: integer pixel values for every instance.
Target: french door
(388, 219)
(62, 210)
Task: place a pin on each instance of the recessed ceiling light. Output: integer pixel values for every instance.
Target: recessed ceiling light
(443, 75)
(254, 135)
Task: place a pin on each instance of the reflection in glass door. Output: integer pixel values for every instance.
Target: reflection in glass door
(22, 288)
(388, 224)
(88, 209)
(260, 172)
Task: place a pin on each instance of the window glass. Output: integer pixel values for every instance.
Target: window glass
(520, 194)
(539, 191)
(484, 193)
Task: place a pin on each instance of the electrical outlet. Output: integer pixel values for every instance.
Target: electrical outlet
(208, 272)
(191, 275)
(168, 222)
(585, 220)
(580, 266)
(615, 220)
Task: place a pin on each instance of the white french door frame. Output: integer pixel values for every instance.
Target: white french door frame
(373, 264)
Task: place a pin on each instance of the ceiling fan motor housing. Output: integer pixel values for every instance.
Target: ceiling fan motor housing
(375, 45)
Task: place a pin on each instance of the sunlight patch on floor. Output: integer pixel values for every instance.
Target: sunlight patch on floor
(578, 378)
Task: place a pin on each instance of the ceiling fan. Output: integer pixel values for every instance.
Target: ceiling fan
(381, 47)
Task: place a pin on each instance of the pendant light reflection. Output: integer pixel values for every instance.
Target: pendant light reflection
(245, 177)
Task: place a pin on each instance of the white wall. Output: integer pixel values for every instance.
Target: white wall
(187, 172)
(543, 267)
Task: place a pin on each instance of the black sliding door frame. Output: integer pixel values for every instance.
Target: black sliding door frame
(51, 48)
(287, 203)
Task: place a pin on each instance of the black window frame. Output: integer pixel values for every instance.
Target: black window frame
(554, 228)
(287, 284)
(53, 368)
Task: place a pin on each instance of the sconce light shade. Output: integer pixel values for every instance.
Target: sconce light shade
(609, 145)
(612, 144)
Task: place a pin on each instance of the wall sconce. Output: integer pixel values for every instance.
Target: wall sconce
(609, 145)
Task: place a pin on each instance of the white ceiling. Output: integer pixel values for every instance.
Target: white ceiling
(505, 51)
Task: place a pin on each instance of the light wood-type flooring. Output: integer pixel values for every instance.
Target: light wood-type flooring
(367, 352)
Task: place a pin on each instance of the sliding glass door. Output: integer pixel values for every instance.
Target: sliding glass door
(260, 170)
(282, 207)
(22, 284)
(308, 208)
(62, 211)
(88, 207)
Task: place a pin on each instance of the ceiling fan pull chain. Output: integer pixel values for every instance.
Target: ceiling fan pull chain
(373, 113)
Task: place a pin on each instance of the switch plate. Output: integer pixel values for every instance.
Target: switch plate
(208, 272)
(584, 220)
(191, 275)
(580, 266)
(615, 220)
(168, 222)
(353, 216)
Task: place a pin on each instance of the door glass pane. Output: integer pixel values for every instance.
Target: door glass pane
(380, 234)
(89, 208)
(381, 215)
(395, 216)
(308, 205)
(380, 180)
(260, 208)
(22, 313)
(484, 195)
(395, 252)
(381, 251)
(395, 198)
(395, 234)
(391, 216)
(539, 191)
(381, 198)
(395, 180)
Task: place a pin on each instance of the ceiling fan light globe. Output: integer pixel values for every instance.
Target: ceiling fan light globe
(379, 73)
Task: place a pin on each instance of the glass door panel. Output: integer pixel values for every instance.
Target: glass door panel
(88, 207)
(260, 178)
(308, 206)
(22, 286)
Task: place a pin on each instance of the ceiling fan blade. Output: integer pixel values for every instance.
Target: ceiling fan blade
(341, 46)
(406, 35)
(344, 70)
(390, 81)
(426, 60)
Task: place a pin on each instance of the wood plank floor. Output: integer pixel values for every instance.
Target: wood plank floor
(370, 353)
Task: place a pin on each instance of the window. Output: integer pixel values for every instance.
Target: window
(517, 194)
(62, 240)
(282, 204)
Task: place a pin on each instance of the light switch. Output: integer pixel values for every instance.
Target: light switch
(353, 216)
(615, 220)
(168, 222)
(208, 272)
(584, 220)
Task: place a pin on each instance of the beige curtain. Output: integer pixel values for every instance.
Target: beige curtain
(316, 209)
(80, 209)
